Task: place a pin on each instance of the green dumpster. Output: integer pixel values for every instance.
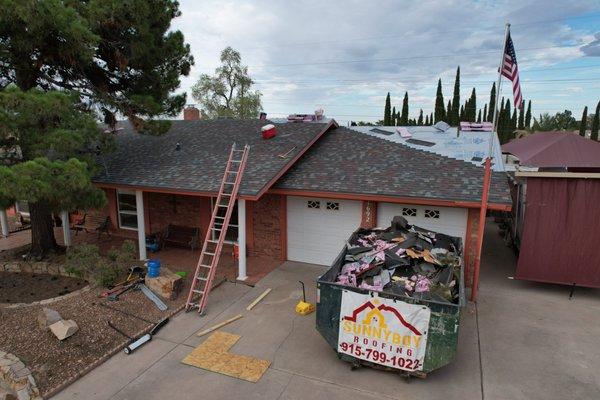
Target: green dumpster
(382, 329)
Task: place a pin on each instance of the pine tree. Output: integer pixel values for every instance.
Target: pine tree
(449, 112)
(431, 119)
(521, 124)
(420, 120)
(500, 127)
(393, 120)
(387, 111)
(440, 112)
(528, 116)
(479, 116)
(125, 58)
(492, 103)
(471, 107)
(427, 120)
(454, 119)
(583, 125)
(461, 115)
(596, 124)
(485, 113)
(513, 121)
(404, 116)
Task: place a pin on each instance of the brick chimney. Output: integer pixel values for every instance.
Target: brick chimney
(190, 112)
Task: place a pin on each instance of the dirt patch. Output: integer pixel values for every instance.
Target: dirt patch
(53, 362)
(20, 287)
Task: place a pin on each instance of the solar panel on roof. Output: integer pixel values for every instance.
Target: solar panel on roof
(420, 142)
(381, 131)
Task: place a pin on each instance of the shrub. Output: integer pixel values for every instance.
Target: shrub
(85, 261)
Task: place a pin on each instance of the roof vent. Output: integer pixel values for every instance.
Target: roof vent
(404, 133)
(382, 131)
(177, 146)
(441, 126)
(420, 142)
(268, 131)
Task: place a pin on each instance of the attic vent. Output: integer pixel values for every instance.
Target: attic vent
(382, 132)
(477, 159)
(420, 142)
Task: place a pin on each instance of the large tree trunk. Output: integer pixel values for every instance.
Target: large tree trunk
(42, 230)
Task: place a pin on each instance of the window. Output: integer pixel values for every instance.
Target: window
(432, 214)
(313, 204)
(127, 209)
(333, 206)
(409, 212)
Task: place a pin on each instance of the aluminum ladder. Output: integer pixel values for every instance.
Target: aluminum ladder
(217, 229)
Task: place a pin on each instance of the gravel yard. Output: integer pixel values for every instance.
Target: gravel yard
(20, 287)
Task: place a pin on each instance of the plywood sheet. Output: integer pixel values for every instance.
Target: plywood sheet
(213, 355)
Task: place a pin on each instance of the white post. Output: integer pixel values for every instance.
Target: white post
(242, 239)
(4, 222)
(139, 204)
(64, 216)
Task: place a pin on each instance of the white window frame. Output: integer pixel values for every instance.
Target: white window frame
(128, 212)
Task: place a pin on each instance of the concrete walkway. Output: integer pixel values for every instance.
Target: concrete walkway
(523, 341)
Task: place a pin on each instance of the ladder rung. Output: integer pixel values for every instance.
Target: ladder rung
(238, 161)
(217, 229)
(230, 183)
(212, 241)
(205, 266)
(232, 172)
(209, 254)
(197, 291)
(223, 218)
(201, 278)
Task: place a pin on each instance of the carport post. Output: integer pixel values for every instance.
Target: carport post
(242, 240)
(139, 205)
(64, 216)
(4, 222)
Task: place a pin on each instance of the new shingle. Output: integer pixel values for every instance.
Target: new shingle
(153, 161)
(345, 161)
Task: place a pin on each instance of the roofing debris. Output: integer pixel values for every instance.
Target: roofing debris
(404, 260)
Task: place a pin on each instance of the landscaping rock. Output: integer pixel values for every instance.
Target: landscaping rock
(167, 285)
(47, 317)
(64, 328)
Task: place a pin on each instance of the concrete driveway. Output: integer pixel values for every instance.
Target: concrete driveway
(522, 341)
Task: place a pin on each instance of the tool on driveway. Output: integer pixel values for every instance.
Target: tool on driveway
(217, 228)
(139, 342)
(303, 307)
(155, 299)
(219, 325)
(258, 299)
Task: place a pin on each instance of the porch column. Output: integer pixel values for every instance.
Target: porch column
(139, 205)
(4, 222)
(64, 216)
(242, 239)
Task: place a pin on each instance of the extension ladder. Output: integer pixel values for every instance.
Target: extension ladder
(217, 229)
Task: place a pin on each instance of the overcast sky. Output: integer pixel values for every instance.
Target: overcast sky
(344, 56)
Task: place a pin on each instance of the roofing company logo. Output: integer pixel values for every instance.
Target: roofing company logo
(376, 320)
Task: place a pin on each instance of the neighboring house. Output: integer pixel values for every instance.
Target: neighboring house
(555, 190)
(303, 192)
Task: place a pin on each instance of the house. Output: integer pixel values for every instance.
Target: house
(303, 192)
(555, 190)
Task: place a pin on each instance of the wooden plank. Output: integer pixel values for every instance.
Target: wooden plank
(258, 299)
(219, 325)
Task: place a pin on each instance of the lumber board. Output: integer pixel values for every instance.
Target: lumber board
(258, 299)
(219, 325)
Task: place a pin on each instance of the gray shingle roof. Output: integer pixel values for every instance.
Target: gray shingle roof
(153, 161)
(345, 161)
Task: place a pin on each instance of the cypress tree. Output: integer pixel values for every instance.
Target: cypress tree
(583, 125)
(485, 113)
(427, 120)
(387, 111)
(440, 112)
(596, 124)
(431, 119)
(461, 115)
(455, 116)
(449, 112)
(420, 120)
(513, 121)
(479, 116)
(492, 103)
(471, 107)
(393, 120)
(500, 126)
(521, 124)
(528, 115)
(404, 116)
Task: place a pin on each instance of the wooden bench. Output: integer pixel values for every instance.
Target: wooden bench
(180, 236)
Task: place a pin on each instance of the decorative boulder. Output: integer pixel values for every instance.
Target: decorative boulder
(167, 285)
(64, 328)
(47, 317)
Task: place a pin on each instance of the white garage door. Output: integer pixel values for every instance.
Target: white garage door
(448, 220)
(317, 229)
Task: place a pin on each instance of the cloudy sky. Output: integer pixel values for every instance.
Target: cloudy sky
(344, 56)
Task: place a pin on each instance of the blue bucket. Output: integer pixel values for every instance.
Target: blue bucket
(153, 268)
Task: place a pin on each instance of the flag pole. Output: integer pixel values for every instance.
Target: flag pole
(487, 175)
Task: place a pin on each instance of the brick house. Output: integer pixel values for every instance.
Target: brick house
(303, 192)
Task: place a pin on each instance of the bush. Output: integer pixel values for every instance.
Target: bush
(85, 261)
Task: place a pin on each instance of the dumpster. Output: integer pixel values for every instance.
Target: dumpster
(378, 325)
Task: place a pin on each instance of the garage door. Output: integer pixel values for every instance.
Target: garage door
(317, 229)
(448, 220)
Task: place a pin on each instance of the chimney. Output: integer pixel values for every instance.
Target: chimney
(190, 112)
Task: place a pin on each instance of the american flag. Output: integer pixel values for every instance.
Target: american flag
(511, 71)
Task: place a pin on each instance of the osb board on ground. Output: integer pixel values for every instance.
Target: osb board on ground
(213, 355)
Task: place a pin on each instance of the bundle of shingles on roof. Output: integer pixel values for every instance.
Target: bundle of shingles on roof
(405, 260)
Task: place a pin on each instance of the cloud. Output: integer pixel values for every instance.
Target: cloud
(311, 52)
(592, 49)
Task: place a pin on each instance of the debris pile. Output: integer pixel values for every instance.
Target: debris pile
(405, 260)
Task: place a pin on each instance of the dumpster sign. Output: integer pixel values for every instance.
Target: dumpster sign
(383, 331)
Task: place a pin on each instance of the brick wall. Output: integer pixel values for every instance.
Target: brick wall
(268, 225)
(164, 209)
